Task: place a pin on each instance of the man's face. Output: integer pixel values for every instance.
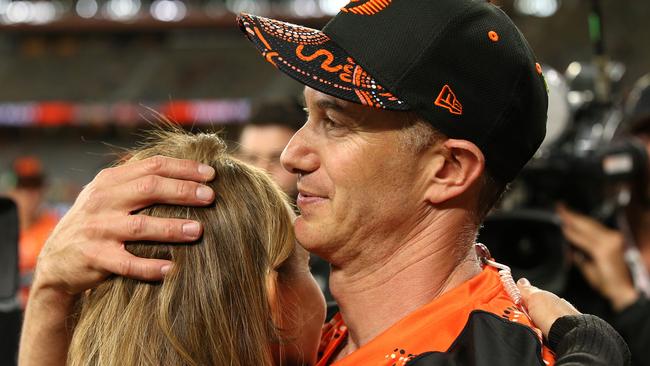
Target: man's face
(357, 182)
(28, 200)
(261, 146)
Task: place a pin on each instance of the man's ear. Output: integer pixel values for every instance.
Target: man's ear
(455, 168)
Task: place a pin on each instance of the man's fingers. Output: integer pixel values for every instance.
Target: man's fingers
(151, 189)
(158, 165)
(578, 238)
(580, 223)
(590, 235)
(126, 264)
(578, 229)
(570, 219)
(147, 228)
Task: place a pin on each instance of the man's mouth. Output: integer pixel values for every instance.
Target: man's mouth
(308, 198)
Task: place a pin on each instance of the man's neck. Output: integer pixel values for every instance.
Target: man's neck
(428, 264)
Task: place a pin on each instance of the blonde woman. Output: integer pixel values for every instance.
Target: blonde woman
(240, 295)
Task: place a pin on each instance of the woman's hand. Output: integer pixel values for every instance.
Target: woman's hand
(543, 307)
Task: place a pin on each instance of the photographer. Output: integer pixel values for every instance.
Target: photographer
(615, 262)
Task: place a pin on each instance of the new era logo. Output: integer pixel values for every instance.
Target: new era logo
(447, 99)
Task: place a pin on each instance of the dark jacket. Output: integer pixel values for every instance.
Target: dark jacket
(487, 340)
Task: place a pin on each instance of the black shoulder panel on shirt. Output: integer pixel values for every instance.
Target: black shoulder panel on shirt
(487, 340)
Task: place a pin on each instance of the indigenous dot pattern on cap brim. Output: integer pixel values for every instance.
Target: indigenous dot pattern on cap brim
(310, 56)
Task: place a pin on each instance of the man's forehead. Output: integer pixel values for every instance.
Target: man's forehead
(358, 114)
(325, 100)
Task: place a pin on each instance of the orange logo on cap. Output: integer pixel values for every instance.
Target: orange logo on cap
(447, 99)
(325, 64)
(368, 7)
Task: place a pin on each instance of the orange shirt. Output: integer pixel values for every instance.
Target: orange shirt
(32, 240)
(433, 327)
(30, 244)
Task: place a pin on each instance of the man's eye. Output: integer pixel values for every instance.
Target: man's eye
(330, 124)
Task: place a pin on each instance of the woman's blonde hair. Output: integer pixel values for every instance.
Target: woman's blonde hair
(212, 308)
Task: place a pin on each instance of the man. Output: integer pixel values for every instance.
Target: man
(389, 201)
(36, 224)
(262, 140)
(420, 112)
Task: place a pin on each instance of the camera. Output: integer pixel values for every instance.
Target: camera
(586, 162)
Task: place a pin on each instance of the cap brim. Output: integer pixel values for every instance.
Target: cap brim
(311, 57)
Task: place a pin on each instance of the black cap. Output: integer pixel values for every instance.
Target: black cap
(461, 65)
(28, 172)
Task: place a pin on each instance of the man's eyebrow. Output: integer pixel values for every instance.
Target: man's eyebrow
(329, 104)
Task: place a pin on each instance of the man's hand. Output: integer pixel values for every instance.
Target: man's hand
(543, 307)
(87, 244)
(606, 269)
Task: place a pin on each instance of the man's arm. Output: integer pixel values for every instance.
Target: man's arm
(46, 331)
(87, 244)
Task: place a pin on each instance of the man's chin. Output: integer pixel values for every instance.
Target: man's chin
(309, 234)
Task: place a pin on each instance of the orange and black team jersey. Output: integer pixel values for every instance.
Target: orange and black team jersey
(474, 324)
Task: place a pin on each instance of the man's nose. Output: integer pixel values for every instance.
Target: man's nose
(300, 155)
